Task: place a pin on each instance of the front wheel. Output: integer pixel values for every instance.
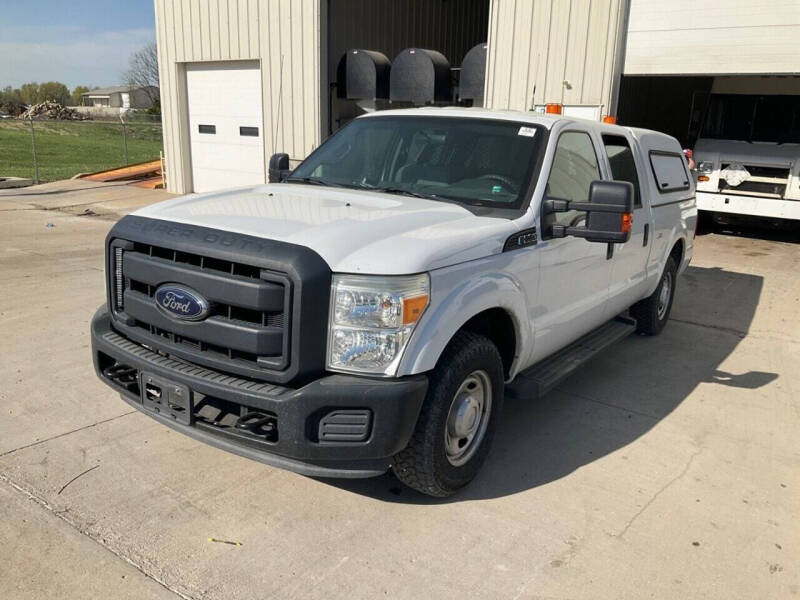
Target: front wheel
(458, 418)
(652, 313)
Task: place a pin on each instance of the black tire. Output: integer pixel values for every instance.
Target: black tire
(426, 464)
(652, 313)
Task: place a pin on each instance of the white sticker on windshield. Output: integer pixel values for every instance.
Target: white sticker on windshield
(526, 131)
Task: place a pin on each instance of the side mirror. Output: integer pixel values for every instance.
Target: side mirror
(279, 167)
(609, 213)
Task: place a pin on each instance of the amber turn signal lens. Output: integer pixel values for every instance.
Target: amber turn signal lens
(413, 308)
(611, 119)
(702, 178)
(552, 109)
(627, 222)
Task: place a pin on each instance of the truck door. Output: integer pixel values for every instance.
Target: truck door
(574, 274)
(629, 262)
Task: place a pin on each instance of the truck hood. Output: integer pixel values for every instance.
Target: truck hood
(354, 231)
(761, 153)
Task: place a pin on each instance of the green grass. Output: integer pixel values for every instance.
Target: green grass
(66, 148)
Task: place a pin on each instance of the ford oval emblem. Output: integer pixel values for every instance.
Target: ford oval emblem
(181, 302)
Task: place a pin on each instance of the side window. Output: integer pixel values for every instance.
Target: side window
(623, 167)
(574, 168)
(670, 171)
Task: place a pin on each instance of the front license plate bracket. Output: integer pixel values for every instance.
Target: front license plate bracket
(166, 398)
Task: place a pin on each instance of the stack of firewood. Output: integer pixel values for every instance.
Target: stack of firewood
(53, 110)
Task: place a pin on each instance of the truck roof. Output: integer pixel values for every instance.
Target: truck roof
(545, 120)
(475, 113)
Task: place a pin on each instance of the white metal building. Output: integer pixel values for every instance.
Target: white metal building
(242, 79)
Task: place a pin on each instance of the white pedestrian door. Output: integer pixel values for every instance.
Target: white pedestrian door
(225, 127)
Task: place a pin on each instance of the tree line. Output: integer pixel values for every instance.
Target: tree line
(33, 93)
(142, 73)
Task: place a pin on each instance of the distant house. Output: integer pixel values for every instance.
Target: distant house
(120, 96)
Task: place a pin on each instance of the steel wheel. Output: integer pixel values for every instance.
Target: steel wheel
(468, 418)
(664, 296)
(457, 420)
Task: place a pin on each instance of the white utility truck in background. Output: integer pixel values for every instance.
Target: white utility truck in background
(748, 150)
(370, 309)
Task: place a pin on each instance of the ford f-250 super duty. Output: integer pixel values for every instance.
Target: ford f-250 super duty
(371, 309)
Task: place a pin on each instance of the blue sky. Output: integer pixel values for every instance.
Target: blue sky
(77, 42)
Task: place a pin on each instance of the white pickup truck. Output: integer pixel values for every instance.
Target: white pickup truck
(371, 309)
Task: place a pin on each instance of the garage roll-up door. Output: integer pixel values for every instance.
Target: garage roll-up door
(713, 37)
(225, 124)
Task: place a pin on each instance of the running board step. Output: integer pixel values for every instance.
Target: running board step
(542, 377)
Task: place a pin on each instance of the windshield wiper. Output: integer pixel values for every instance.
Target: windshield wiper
(402, 191)
(312, 181)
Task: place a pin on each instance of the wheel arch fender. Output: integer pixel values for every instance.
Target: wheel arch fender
(456, 299)
(680, 245)
(683, 235)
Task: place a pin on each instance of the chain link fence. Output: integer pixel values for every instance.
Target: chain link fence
(48, 150)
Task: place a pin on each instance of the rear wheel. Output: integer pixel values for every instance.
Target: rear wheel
(652, 313)
(458, 418)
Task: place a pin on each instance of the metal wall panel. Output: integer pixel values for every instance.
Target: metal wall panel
(284, 35)
(713, 37)
(564, 51)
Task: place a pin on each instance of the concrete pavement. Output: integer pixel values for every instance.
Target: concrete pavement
(45, 555)
(669, 468)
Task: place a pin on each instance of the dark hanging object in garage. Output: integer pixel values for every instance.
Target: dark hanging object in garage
(363, 75)
(420, 76)
(473, 74)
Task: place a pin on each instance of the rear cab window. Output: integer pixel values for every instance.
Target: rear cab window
(622, 164)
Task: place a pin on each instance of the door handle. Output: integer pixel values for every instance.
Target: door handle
(646, 234)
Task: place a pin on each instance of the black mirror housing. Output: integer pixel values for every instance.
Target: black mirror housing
(609, 213)
(603, 194)
(279, 167)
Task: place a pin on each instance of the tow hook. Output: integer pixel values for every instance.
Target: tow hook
(256, 423)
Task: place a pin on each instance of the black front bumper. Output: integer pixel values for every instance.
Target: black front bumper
(387, 409)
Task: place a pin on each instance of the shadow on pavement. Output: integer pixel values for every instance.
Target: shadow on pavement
(588, 416)
(751, 381)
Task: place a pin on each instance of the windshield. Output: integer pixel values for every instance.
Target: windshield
(753, 118)
(480, 162)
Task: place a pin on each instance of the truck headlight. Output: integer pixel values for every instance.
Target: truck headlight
(371, 320)
(705, 167)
